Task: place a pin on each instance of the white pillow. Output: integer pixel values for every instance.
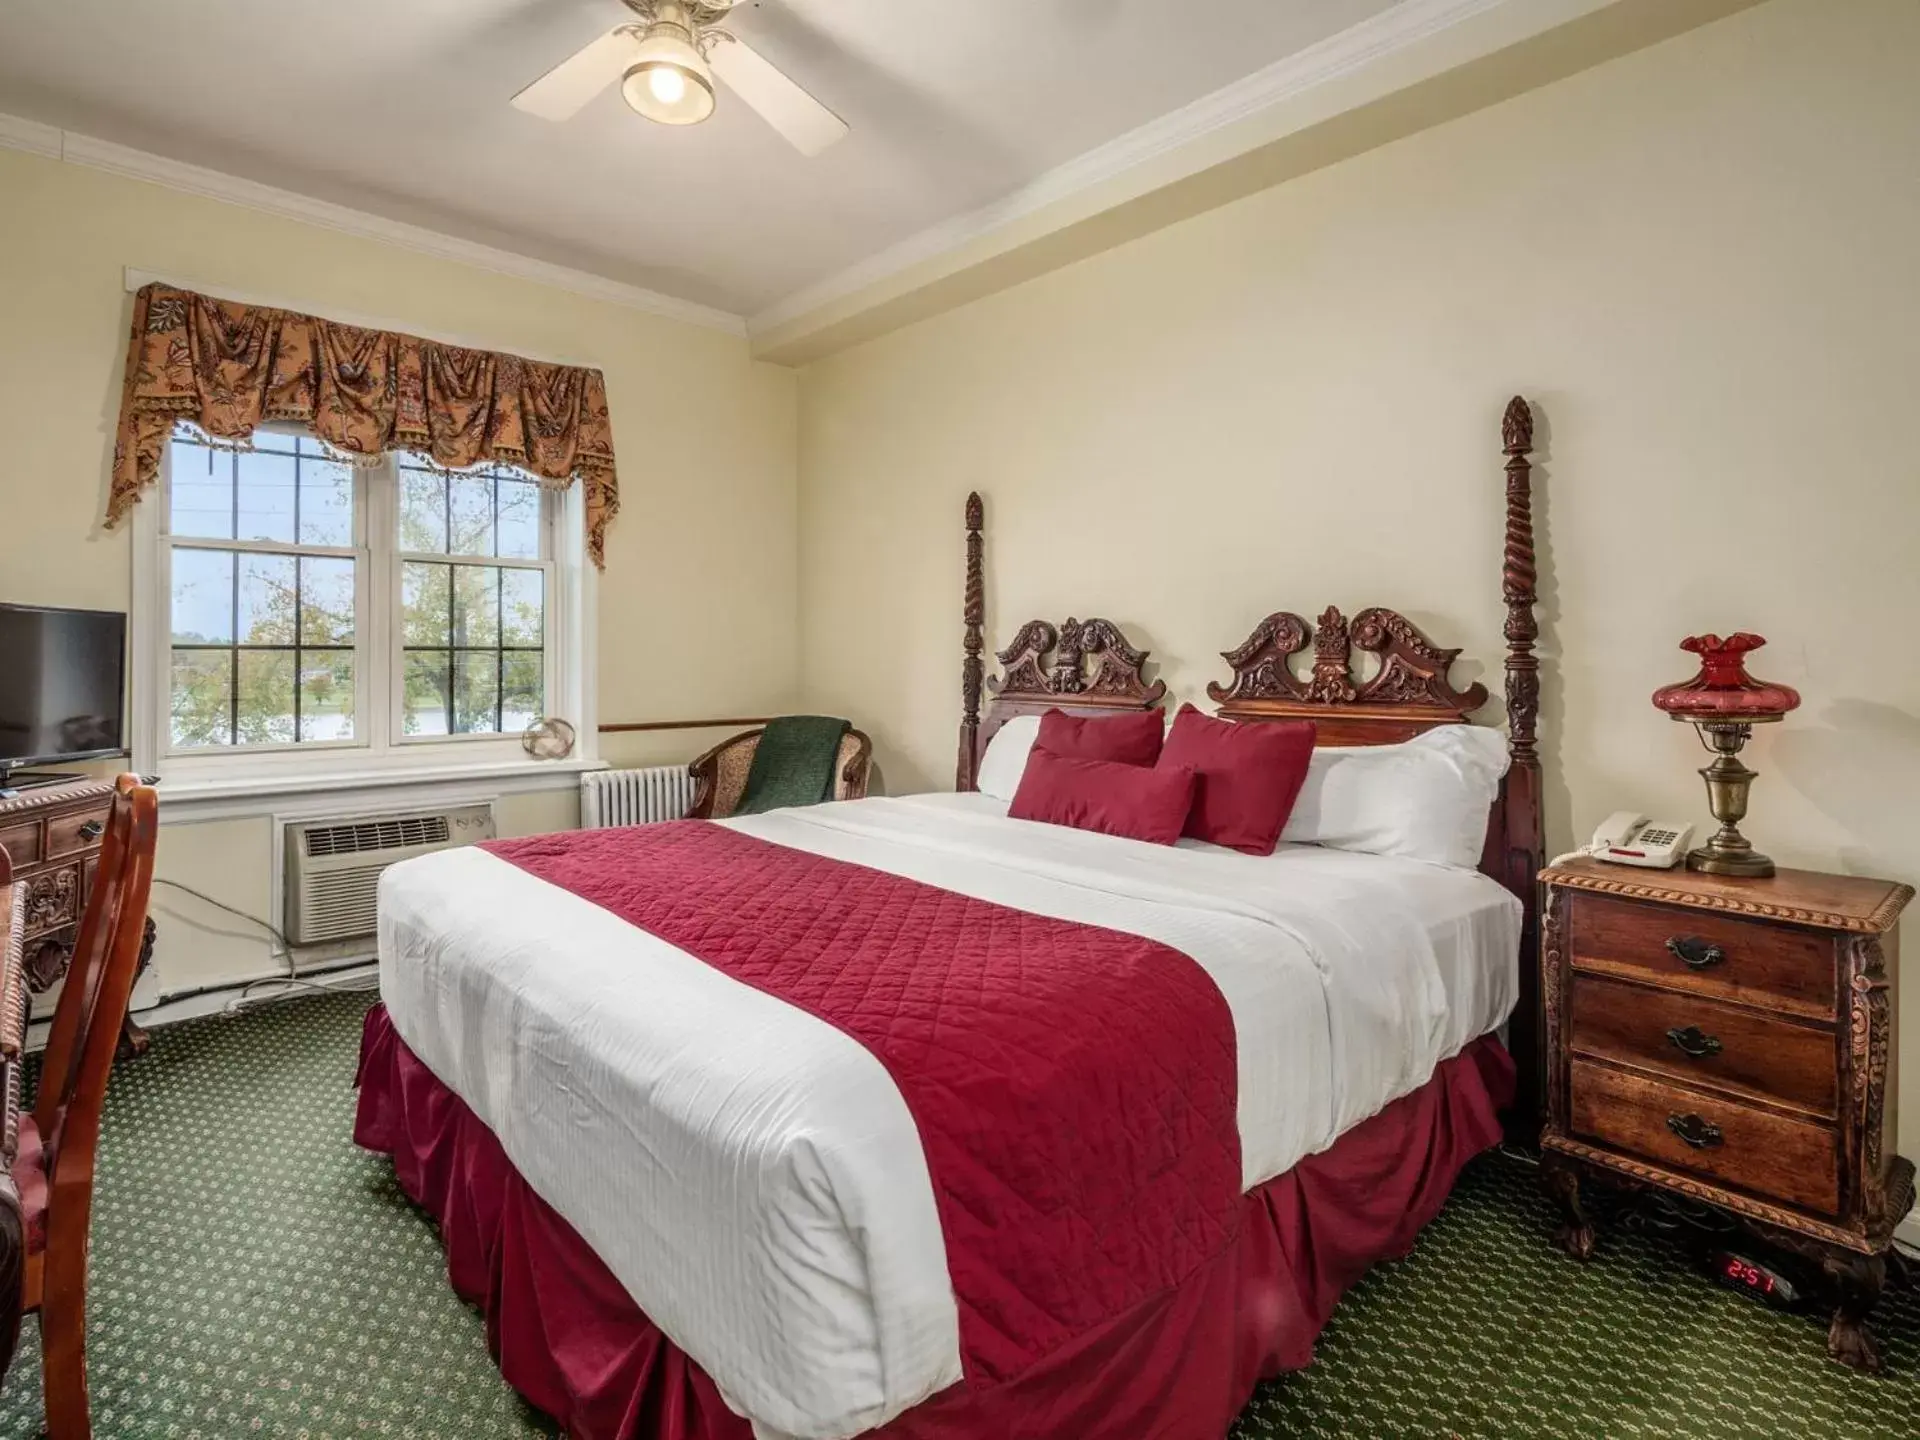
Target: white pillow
(1006, 758)
(1426, 799)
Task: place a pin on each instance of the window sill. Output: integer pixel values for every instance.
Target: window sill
(202, 798)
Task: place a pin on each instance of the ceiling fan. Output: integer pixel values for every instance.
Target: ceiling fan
(665, 60)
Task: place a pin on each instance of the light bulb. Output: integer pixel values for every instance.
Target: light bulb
(667, 84)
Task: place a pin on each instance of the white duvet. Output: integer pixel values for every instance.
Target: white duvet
(751, 1174)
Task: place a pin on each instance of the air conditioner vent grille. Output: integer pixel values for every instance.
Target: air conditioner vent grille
(358, 836)
(342, 903)
(333, 866)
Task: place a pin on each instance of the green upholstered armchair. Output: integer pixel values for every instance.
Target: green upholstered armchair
(720, 775)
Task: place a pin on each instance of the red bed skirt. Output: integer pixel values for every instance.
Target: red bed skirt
(570, 1339)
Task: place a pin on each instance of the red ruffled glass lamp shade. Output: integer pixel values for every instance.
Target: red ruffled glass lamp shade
(1725, 703)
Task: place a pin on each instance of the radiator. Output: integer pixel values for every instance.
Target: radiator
(634, 797)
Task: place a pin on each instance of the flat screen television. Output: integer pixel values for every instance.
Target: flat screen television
(62, 685)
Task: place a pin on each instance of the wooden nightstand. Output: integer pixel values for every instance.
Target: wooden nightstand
(1732, 1041)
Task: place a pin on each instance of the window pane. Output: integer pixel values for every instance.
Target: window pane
(265, 715)
(426, 604)
(423, 512)
(326, 502)
(326, 601)
(200, 484)
(424, 707)
(267, 601)
(522, 695)
(476, 605)
(476, 691)
(470, 511)
(326, 695)
(523, 610)
(202, 597)
(202, 697)
(519, 536)
(266, 484)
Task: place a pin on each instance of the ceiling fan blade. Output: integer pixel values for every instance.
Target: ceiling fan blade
(808, 125)
(564, 91)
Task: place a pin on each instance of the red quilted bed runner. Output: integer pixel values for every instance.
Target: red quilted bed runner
(1074, 1087)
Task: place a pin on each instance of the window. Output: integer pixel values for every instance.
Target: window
(265, 568)
(475, 633)
(312, 606)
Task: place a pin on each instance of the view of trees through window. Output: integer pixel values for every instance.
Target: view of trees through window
(474, 635)
(267, 550)
(263, 618)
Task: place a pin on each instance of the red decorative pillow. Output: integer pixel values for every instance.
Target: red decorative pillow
(1130, 738)
(1248, 776)
(1140, 802)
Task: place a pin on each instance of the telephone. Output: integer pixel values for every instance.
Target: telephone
(1625, 838)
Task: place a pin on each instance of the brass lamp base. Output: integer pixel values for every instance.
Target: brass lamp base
(1727, 851)
(1714, 861)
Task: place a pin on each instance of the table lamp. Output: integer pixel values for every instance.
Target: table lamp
(1724, 703)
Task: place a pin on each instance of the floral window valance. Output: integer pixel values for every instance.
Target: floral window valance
(228, 367)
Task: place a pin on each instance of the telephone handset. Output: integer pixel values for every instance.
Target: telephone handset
(1625, 838)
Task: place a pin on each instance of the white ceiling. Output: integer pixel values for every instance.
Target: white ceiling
(399, 108)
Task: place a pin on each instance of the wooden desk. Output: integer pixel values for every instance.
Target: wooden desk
(52, 835)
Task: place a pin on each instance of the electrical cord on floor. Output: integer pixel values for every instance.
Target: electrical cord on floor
(292, 980)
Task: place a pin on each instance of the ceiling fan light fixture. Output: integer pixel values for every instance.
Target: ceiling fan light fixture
(669, 79)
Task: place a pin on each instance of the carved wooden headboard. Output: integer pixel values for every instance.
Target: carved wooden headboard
(1409, 691)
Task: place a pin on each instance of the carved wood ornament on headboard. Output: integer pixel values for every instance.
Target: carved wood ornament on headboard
(1087, 666)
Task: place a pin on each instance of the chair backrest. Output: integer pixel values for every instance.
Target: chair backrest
(720, 775)
(94, 998)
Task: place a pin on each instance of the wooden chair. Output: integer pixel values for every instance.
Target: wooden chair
(720, 775)
(53, 1169)
(13, 1027)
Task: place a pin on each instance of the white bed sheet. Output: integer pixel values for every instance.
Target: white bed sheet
(751, 1174)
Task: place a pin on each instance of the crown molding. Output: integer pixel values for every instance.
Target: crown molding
(1377, 38)
(17, 133)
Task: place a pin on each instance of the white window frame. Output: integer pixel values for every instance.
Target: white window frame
(379, 754)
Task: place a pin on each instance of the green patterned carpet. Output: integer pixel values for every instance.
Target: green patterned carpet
(255, 1274)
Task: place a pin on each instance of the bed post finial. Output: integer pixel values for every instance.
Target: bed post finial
(973, 617)
(1517, 582)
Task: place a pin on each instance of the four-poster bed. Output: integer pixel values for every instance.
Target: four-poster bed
(903, 1117)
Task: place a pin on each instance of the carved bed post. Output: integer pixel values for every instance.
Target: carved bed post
(1524, 834)
(973, 615)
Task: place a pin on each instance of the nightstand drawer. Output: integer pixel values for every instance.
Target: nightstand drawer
(1705, 953)
(1769, 1155)
(1704, 1042)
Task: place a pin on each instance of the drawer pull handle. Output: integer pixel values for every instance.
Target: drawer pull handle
(93, 829)
(1695, 953)
(1700, 1134)
(1694, 1041)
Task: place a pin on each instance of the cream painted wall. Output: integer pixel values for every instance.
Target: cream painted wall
(697, 601)
(1696, 260)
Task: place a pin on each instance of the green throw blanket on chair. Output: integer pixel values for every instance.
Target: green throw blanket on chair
(793, 764)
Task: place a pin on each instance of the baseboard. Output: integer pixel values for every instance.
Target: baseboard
(250, 990)
(1907, 1232)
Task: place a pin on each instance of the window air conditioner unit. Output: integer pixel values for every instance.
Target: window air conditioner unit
(334, 865)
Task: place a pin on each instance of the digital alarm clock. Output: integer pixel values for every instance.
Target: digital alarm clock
(1754, 1277)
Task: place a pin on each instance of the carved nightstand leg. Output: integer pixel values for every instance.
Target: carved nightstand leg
(1859, 1279)
(1561, 1181)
